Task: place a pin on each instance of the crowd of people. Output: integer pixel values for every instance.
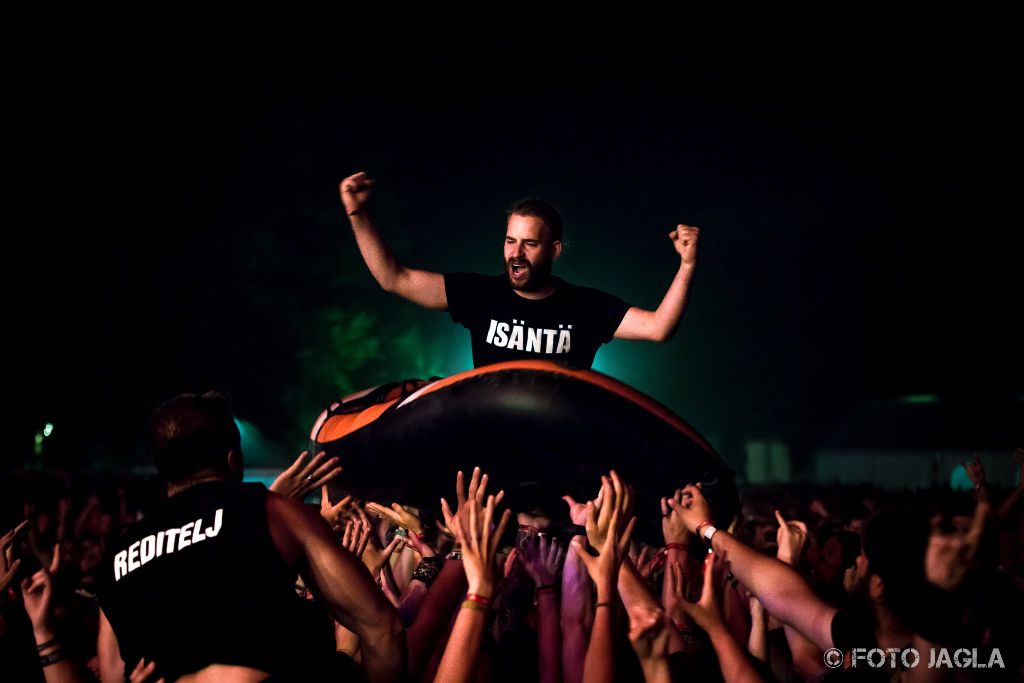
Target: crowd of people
(198, 576)
(803, 584)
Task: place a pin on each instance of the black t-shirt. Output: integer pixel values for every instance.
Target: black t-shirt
(568, 326)
(199, 581)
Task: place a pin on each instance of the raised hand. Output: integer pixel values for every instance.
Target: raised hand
(578, 511)
(609, 531)
(705, 612)
(479, 542)
(694, 508)
(375, 558)
(420, 546)
(975, 471)
(950, 556)
(8, 565)
(398, 516)
(356, 537)
(355, 192)
(684, 239)
(336, 513)
(142, 672)
(616, 502)
(790, 538)
(37, 596)
(476, 491)
(542, 559)
(301, 477)
(673, 528)
(648, 632)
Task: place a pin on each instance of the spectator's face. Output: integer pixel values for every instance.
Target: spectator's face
(529, 253)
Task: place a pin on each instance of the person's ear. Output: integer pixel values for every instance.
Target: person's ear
(557, 246)
(876, 588)
(235, 461)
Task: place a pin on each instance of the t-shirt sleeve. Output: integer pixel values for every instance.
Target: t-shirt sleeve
(607, 311)
(463, 291)
(852, 628)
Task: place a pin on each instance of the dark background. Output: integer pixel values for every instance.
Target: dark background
(174, 223)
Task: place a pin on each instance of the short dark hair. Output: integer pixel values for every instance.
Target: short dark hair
(191, 433)
(538, 208)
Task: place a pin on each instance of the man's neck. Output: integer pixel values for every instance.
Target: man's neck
(889, 630)
(549, 287)
(200, 478)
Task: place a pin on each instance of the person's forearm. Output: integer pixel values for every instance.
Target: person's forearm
(384, 651)
(412, 600)
(731, 658)
(435, 614)
(757, 643)
(632, 588)
(375, 252)
(599, 665)
(1006, 509)
(673, 304)
(807, 658)
(463, 647)
(656, 670)
(576, 614)
(782, 591)
(549, 637)
(62, 671)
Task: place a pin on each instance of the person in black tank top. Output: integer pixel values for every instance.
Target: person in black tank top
(208, 578)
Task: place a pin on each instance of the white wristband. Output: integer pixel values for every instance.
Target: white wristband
(708, 531)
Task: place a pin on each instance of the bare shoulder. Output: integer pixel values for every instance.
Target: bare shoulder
(293, 526)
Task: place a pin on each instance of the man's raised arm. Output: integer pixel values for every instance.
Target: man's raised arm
(661, 324)
(418, 286)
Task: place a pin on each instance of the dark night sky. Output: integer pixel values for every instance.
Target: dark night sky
(179, 226)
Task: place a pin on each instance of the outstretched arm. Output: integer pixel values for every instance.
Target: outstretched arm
(418, 286)
(782, 591)
(661, 324)
(342, 582)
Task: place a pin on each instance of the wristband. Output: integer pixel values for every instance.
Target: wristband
(58, 655)
(676, 546)
(709, 531)
(479, 599)
(454, 555)
(701, 526)
(602, 604)
(472, 604)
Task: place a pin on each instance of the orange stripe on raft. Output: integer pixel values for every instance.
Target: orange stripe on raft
(340, 425)
(590, 376)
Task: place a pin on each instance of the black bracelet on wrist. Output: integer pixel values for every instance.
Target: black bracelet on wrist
(43, 646)
(58, 655)
(426, 571)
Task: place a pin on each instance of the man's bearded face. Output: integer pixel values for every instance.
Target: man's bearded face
(529, 253)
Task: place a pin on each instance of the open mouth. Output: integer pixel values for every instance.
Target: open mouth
(518, 269)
